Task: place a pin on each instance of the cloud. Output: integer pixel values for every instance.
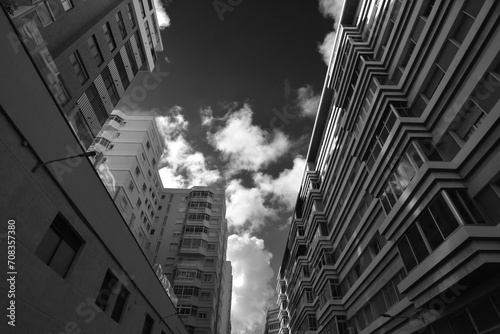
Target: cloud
(307, 101)
(246, 208)
(326, 48)
(285, 187)
(181, 166)
(332, 9)
(246, 146)
(206, 116)
(249, 209)
(252, 283)
(161, 14)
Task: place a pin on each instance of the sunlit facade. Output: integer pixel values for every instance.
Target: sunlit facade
(396, 228)
(88, 52)
(129, 150)
(189, 241)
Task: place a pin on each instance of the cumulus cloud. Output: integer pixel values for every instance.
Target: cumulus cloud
(252, 277)
(252, 208)
(307, 101)
(207, 117)
(246, 146)
(326, 48)
(161, 14)
(332, 9)
(181, 166)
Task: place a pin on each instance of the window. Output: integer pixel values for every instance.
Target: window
(209, 262)
(44, 14)
(202, 315)
(121, 300)
(121, 24)
(67, 5)
(108, 285)
(138, 204)
(59, 246)
(94, 50)
(148, 145)
(109, 36)
(130, 13)
(148, 325)
(78, 68)
(131, 185)
(205, 295)
(110, 86)
(137, 171)
(211, 247)
(173, 246)
(143, 12)
(207, 277)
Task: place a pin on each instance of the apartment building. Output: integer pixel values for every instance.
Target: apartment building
(88, 52)
(74, 265)
(396, 226)
(189, 241)
(130, 148)
(272, 325)
(227, 294)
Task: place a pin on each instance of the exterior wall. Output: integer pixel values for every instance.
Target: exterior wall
(189, 267)
(272, 325)
(71, 193)
(128, 164)
(225, 313)
(53, 35)
(396, 223)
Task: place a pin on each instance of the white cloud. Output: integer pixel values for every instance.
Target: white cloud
(246, 207)
(307, 101)
(161, 13)
(331, 8)
(326, 48)
(181, 166)
(252, 279)
(250, 209)
(206, 116)
(247, 146)
(285, 187)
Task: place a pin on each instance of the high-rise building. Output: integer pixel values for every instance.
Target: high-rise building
(130, 148)
(73, 265)
(396, 226)
(88, 52)
(189, 241)
(227, 293)
(272, 325)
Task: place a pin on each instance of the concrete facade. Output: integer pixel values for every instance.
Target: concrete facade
(396, 227)
(189, 241)
(272, 325)
(75, 264)
(88, 52)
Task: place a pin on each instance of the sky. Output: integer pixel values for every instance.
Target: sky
(235, 92)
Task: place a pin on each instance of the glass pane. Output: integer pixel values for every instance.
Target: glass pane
(402, 177)
(62, 259)
(417, 243)
(414, 156)
(378, 305)
(462, 324)
(406, 254)
(395, 185)
(442, 327)
(443, 216)
(408, 168)
(390, 294)
(484, 314)
(48, 245)
(430, 229)
(120, 304)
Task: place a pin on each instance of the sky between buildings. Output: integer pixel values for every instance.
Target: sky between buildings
(235, 92)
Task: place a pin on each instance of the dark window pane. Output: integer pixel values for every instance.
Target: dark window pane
(406, 254)
(378, 305)
(443, 216)
(390, 295)
(462, 324)
(148, 325)
(484, 314)
(442, 327)
(408, 168)
(430, 229)
(414, 156)
(108, 284)
(417, 243)
(62, 259)
(120, 304)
